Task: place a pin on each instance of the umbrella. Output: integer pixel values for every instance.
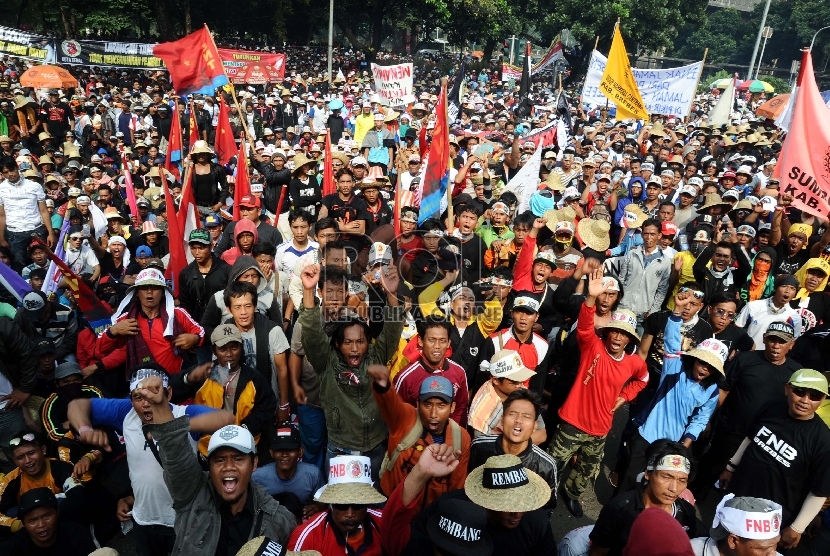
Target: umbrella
(256, 74)
(721, 83)
(772, 108)
(756, 86)
(477, 54)
(48, 77)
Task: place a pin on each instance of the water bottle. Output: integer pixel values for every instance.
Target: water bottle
(684, 242)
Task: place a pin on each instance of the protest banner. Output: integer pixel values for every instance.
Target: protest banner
(235, 60)
(394, 83)
(669, 92)
(509, 72)
(107, 54)
(25, 45)
(618, 83)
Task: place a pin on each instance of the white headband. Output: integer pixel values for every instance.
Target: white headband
(673, 462)
(749, 525)
(142, 374)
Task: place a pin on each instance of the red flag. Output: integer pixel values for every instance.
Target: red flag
(173, 160)
(178, 260)
(397, 211)
(194, 127)
(243, 185)
(328, 171)
(804, 166)
(436, 175)
(128, 185)
(193, 63)
(96, 312)
(188, 214)
(225, 145)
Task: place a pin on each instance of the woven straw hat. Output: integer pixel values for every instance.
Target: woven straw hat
(713, 200)
(595, 233)
(554, 182)
(712, 352)
(350, 482)
(554, 217)
(262, 546)
(503, 484)
(200, 147)
(624, 320)
(633, 217)
(300, 160)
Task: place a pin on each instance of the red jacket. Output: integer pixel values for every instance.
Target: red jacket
(87, 354)
(600, 380)
(320, 534)
(522, 275)
(152, 330)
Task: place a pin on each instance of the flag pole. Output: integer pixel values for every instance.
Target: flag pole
(450, 217)
(699, 75)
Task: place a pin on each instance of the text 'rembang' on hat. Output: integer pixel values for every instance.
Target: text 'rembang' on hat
(783, 330)
(225, 334)
(460, 527)
(503, 484)
(350, 482)
(810, 379)
(436, 387)
(507, 363)
(232, 436)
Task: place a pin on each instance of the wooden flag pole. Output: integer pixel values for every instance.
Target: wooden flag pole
(699, 75)
(242, 115)
(450, 217)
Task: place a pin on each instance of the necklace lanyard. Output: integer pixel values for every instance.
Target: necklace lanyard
(231, 377)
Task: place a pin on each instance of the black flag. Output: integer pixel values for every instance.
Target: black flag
(563, 110)
(525, 104)
(454, 100)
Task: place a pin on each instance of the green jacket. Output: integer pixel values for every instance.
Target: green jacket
(352, 417)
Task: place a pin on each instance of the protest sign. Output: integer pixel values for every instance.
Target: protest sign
(394, 83)
(25, 45)
(669, 92)
(235, 60)
(106, 54)
(509, 72)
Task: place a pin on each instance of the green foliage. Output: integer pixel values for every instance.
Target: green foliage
(781, 85)
(703, 86)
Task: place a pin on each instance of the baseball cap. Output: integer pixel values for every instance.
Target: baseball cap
(36, 498)
(668, 229)
(460, 527)
(66, 369)
(249, 201)
(225, 334)
(232, 436)
(34, 304)
(507, 363)
(809, 378)
(359, 161)
(380, 253)
(783, 330)
(526, 303)
(746, 229)
(212, 220)
(286, 437)
(436, 387)
(143, 251)
(199, 236)
(45, 346)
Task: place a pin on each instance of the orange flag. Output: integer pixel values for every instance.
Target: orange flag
(803, 167)
(328, 171)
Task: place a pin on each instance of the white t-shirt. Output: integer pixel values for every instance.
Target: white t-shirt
(707, 546)
(81, 261)
(21, 205)
(756, 316)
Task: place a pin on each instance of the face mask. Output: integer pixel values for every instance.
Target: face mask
(762, 267)
(70, 392)
(698, 247)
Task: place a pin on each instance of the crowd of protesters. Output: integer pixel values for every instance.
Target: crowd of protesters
(323, 382)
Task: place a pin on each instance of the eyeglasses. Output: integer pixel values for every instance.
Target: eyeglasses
(345, 507)
(814, 395)
(724, 313)
(697, 294)
(76, 238)
(29, 437)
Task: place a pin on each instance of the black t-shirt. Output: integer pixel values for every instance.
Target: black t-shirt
(235, 529)
(655, 325)
(305, 196)
(752, 382)
(787, 264)
(349, 211)
(617, 516)
(735, 339)
(786, 459)
(108, 267)
(73, 539)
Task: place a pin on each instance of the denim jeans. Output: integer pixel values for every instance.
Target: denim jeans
(19, 245)
(313, 432)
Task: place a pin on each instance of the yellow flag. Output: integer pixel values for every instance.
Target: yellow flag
(618, 82)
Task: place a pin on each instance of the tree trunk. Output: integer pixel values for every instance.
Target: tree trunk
(163, 22)
(66, 20)
(488, 51)
(23, 5)
(187, 19)
(413, 39)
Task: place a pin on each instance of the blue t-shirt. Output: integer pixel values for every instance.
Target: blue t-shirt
(306, 481)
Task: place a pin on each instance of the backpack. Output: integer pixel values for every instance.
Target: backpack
(411, 438)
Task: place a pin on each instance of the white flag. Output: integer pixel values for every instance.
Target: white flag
(526, 181)
(722, 110)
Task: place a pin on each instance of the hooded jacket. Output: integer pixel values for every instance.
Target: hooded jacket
(241, 227)
(196, 290)
(267, 303)
(628, 199)
(770, 284)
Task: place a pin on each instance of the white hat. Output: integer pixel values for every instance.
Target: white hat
(149, 277)
(526, 303)
(758, 519)
(744, 170)
(232, 436)
(507, 363)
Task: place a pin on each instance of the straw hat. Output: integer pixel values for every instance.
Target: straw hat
(342, 157)
(731, 130)
(503, 484)
(200, 147)
(657, 130)
(624, 320)
(376, 173)
(633, 217)
(149, 277)
(595, 233)
(20, 101)
(300, 160)
(728, 142)
(262, 546)
(712, 352)
(554, 217)
(112, 213)
(391, 116)
(45, 159)
(149, 227)
(350, 482)
(713, 200)
(554, 182)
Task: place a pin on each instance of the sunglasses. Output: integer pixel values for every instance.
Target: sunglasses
(29, 437)
(76, 238)
(814, 395)
(724, 313)
(697, 294)
(345, 507)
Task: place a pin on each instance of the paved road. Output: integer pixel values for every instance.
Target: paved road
(561, 520)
